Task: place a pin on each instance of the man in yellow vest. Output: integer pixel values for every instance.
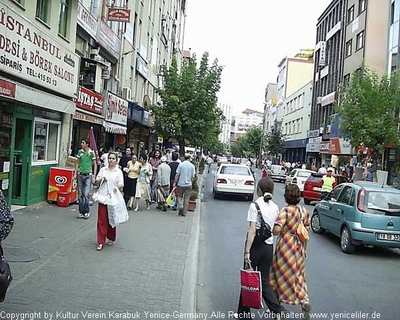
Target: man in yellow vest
(328, 182)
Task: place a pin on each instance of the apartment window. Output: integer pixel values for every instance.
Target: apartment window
(350, 14)
(46, 140)
(362, 4)
(349, 47)
(392, 13)
(298, 126)
(42, 10)
(360, 40)
(346, 80)
(63, 17)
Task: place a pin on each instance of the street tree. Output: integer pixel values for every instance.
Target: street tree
(188, 110)
(254, 140)
(368, 109)
(239, 147)
(273, 141)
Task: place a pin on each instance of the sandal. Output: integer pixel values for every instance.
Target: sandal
(99, 247)
(110, 243)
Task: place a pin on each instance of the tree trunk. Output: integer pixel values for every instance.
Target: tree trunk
(182, 147)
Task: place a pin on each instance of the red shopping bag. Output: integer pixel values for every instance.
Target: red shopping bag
(251, 288)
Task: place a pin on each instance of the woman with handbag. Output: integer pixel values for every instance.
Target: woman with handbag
(110, 179)
(259, 253)
(288, 271)
(143, 186)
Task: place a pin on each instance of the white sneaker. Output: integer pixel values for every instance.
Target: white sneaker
(80, 216)
(86, 215)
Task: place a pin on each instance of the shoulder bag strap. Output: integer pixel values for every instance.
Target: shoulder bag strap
(259, 213)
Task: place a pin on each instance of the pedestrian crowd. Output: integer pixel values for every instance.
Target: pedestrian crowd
(150, 177)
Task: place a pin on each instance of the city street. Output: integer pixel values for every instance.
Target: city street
(366, 281)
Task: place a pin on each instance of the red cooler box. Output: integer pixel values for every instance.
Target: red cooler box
(61, 180)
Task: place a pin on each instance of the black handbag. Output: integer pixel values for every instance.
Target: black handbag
(6, 218)
(5, 275)
(264, 232)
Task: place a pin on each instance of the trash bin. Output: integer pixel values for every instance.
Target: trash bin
(63, 199)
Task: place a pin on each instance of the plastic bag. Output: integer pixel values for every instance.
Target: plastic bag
(171, 200)
(117, 211)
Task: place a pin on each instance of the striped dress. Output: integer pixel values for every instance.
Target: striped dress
(288, 270)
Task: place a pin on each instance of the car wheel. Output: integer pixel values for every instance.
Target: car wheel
(345, 241)
(250, 197)
(215, 194)
(307, 201)
(316, 224)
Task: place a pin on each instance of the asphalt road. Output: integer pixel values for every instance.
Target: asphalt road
(364, 285)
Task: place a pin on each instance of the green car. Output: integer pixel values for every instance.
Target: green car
(360, 213)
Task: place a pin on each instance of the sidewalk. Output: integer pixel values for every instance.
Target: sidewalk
(151, 267)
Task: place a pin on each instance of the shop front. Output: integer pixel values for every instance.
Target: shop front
(341, 151)
(324, 154)
(135, 127)
(295, 150)
(34, 136)
(89, 114)
(115, 111)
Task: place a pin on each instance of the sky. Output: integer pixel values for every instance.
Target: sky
(249, 38)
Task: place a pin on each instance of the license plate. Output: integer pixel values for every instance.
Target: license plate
(317, 189)
(386, 236)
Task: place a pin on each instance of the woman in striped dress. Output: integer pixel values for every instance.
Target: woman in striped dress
(288, 270)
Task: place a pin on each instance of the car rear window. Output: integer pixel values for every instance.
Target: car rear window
(314, 178)
(278, 168)
(303, 174)
(235, 170)
(383, 202)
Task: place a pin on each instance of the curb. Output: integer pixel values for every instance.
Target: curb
(189, 289)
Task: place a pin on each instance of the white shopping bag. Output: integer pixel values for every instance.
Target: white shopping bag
(117, 212)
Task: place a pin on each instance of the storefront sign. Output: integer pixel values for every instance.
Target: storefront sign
(87, 21)
(134, 135)
(141, 67)
(87, 118)
(339, 146)
(135, 113)
(312, 147)
(115, 109)
(7, 89)
(324, 147)
(118, 14)
(29, 53)
(312, 133)
(328, 99)
(106, 72)
(109, 40)
(146, 118)
(89, 100)
(322, 54)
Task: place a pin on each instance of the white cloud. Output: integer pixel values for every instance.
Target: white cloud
(250, 38)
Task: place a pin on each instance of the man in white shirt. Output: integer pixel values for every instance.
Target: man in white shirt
(322, 169)
(183, 179)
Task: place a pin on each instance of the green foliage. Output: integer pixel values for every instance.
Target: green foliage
(195, 189)
(274, 142)
(248, 144)
(202, 164)
(189, 102)
(239, 147)
(367, 107)
(217, 147)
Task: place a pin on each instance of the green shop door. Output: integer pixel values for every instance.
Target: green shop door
(21, 161)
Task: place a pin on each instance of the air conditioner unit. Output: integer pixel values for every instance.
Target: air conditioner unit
(126, 93)
(328, 128)
(94, 52)
(321, 130)
(319, 100)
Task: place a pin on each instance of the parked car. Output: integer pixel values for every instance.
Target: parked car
(299, 177)
(234, 179)
(313, 185)
(277, 172)
(222, 160)
(361, 213)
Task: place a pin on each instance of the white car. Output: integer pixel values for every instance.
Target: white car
(234, 179)
(299, 177)
(222, 160)
(277, 172)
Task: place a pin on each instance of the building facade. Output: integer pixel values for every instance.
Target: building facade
(243, 122)
(270, 101)
(38, 79)
(225, 135)
(296, 123)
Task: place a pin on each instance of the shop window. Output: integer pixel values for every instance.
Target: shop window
(46, 141)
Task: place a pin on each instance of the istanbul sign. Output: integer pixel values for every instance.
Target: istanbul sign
(29, 53)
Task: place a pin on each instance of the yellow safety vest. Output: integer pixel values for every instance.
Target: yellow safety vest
(328, 183)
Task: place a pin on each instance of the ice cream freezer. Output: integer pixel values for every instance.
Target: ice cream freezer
(63, 187)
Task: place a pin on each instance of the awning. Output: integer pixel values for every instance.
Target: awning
(43, 99)
(114, 128)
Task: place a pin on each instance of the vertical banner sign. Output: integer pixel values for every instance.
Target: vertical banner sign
(93, 145)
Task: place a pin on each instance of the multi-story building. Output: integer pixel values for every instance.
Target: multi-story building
(225, 135)
(123, 44)
(296, 123)
(349, 32)
(270, 101)
(328, 67)
(38, 80)
(67, 66)
(243, 122)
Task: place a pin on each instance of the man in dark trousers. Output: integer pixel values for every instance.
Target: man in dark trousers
(123, 164)
(174, 165)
